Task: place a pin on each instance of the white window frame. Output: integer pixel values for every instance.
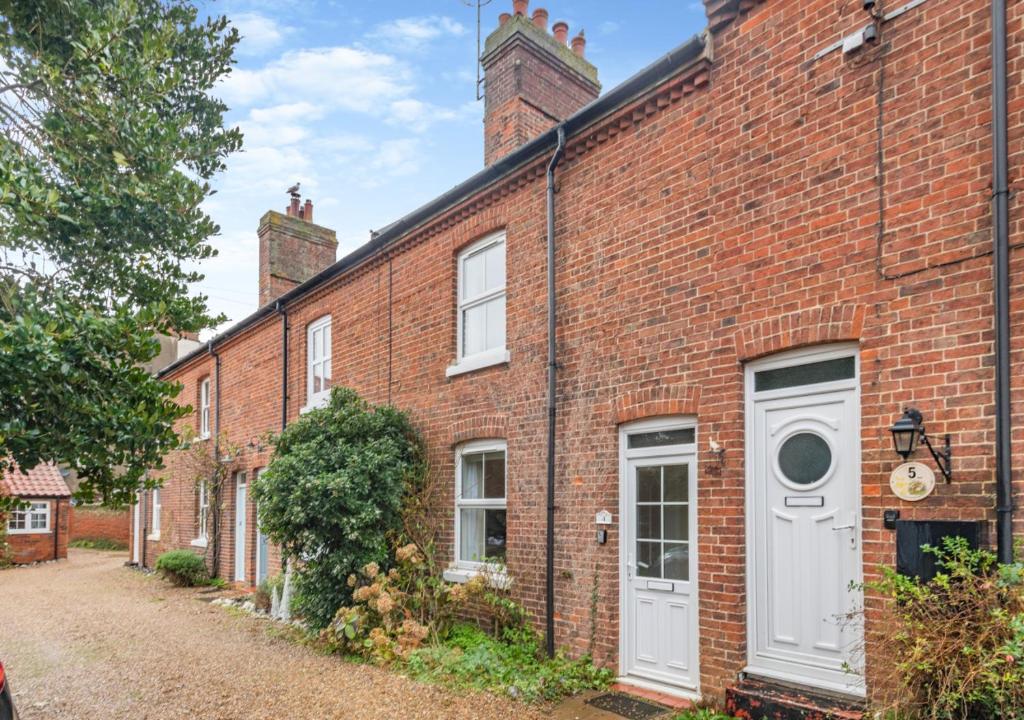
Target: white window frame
(463, 570)
(27, 515)
(204, 409)
(493, 356)
(203, 519)
(315, 400)
(155, 520)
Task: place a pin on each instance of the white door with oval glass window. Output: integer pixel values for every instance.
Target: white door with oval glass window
(803, 525)
(658, 510)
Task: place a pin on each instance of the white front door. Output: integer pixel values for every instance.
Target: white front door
(803, 525)
(137, 529)
(240, 525)
(658, 519)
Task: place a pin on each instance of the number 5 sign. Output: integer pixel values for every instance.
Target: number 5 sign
(912, 481)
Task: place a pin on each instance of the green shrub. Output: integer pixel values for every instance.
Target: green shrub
(183, 568)
(956, 642)
(513, 664)
(98, 544)
(332, 496)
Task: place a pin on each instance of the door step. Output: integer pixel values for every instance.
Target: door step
(757, 699)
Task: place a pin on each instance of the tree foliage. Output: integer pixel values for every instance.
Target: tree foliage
(332, 496)
(110, 134)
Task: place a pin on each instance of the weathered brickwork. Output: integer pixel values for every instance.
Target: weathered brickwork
(40, 547)
(730, 214)
(94, 523)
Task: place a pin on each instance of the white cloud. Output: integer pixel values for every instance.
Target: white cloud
(398, 158)
(413, 33)
(259, 33)
(348, 78)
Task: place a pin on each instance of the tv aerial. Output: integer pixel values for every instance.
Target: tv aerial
(479, 5)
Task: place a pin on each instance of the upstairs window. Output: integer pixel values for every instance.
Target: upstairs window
(204, 408)
(33, 519)
(318, 362)
(481, 320)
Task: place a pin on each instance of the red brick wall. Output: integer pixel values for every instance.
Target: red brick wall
(721, 219)
(93, 523)
(38, 547)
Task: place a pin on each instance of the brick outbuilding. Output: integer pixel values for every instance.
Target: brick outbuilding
(766, 246)
(39, 530)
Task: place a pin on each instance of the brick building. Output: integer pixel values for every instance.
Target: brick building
(38, 530)
(767, 245)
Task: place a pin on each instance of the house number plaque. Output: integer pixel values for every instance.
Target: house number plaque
(912, 481)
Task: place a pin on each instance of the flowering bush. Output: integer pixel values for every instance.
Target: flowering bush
(957, 641)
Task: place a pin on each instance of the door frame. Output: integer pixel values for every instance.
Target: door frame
(241, 479)
(788, 358)
(676, 422)
(137, 530)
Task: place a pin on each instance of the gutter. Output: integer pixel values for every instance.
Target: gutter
(549, 602)
(283, 312)
(216, 457)
(653, 75)
(1001, 281)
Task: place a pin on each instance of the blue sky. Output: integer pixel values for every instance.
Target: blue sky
(371, 106)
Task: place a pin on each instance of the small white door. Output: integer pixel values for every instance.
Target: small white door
(658, 517)
(137, 529)
(804, 540)
(240, 526)
(262, 545)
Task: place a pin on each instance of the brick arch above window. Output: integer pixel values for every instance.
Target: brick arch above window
(486, 427)
(814, 326)
(657, 401)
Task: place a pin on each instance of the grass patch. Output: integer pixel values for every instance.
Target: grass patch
(98, 544)
(703, 714)
(514, 665)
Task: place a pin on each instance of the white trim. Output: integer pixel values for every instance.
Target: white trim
(256, 521)
(204, 409)
(498, 580)
(155, 509)
(490, 356)
(241, 540)
(799, 356)
(137, 528)
(318, 399)
(471, 448)
(27, 515)
(688, 452)
(203, 519)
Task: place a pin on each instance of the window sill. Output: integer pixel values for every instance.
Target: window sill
(29, 532)
(154, 537)
(198, 542)
(315, 403)
(478, 362)
(461, 575)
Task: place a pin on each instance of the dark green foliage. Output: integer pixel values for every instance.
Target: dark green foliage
(183, 568)
(109, 135)
(332, 496)
(98, 544)
(514, 664)
(955, 643)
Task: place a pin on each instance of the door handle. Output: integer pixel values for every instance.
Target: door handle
(844, 527)
(629, 568)
(852, 526)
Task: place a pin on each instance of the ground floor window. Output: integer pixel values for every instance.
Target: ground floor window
(203, 514)
(33, 519)
(480, 503)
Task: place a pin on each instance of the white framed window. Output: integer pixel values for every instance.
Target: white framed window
(204, 408)
(481, 306)
(202, 514)
(155, 524)
(318, 362)
(33, 519)
(480, 504)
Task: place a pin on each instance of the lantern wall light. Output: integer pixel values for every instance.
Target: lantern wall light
(908, 431)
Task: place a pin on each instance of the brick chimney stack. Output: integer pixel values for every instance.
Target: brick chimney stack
(533, 79)
(292, 248)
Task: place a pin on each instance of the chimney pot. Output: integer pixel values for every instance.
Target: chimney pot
(520, 6)
(504, 18)
(307, 211)
(579, 44)
(540, 18)
(561, 31)
(293, 208)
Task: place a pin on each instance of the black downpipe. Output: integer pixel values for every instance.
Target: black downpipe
(216, 457)
(552, 388)
(283, 312)
(1001, 270)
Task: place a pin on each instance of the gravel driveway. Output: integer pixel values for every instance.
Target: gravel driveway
(88, 638)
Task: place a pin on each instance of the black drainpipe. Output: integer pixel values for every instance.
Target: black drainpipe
(216, 456)
(552, 388)
(284, 363)
(1001, 271)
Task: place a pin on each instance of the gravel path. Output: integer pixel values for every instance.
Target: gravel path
(88, 638)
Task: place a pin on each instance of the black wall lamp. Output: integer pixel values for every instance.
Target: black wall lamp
(909, 430)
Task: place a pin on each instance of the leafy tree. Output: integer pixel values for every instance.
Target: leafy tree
(332, 496)
(110, 135)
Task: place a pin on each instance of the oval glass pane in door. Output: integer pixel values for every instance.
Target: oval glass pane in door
(805, 458)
